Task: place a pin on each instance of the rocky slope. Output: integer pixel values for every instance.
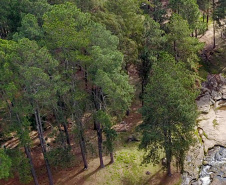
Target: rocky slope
(206, 161)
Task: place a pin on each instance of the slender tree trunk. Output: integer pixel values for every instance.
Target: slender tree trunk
(143, 80)
(28, 153)
(169, 154)
(112, 157)
(142, 92)
(214, 30)
(169, 173)
(207, 17)
(66, 134)
(86, 78)
(62, 137)
(42, 142)
(99, 135)
(175, 50)
(26, 148)
(82, 145)
(214, 35)
(97, 97)
(203, 17)
(196, 33)
(208, 12)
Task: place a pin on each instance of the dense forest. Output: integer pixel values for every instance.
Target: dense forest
(75, 73)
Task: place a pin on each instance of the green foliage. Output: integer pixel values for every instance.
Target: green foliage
(219, 13)
(20, 165)
(61, 157)
(54, 39)
(169, 118)
(110, 133)
(215, 123)
(91, 46)
(29, 28)
(153, 41)
(203, 4)
(5, 164)
(187, 9)
(123, 19)
(184, 47)
(36, 70)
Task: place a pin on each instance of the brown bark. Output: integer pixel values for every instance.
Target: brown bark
(66, 134)
(82, 147)
(43, 146)
(112, 157)
(100, 148)
(28, 153)
(214, 30)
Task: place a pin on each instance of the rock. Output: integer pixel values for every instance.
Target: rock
(196, 182)
(216, 95)
(204, 103)
(186, 179)
(205, 162)
(223, 91)
(164, 162)
(132, 138)
(220, 103)
(210, 154)
(218, 181)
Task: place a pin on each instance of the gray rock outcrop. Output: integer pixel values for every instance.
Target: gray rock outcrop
(200, 166)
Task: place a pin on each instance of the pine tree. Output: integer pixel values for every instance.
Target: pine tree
(169, 117)
(153, 41)
(187, 9)
(10, 90)
(5, 164)
(90, 46)
(183, 47)
(36, 73)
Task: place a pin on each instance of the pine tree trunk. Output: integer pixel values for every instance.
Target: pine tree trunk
(112, 157)
(86, 78)
(169, 168)
(214, 35)
(82, 147)
(142, 92)
(26, 148)
(214, 30)
(42, 142)
(169, 154)
(62, 137)
(143, 82)
(175, 50)
(207, 17)
(99, 135)
(66, 134)
(28, 153)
